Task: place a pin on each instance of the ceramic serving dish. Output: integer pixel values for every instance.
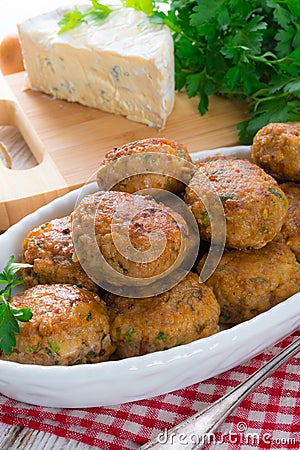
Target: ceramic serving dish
(131, 379)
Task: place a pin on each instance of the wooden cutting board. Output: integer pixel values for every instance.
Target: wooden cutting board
(69, 140)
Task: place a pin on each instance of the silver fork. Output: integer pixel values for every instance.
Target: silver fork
(202, 424)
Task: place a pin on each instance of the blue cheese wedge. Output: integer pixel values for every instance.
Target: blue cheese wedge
(124, 65)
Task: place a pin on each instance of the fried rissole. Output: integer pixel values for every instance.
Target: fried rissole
(249, 282)
(160, 179)
(69, 326)
(186, 312)
(50, 250)
(290, 231)
(276, 148)
(254, 205)
(138, 217)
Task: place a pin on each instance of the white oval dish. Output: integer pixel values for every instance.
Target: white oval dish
(136, 378)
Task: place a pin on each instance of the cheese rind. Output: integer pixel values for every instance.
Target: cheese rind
(125, 65)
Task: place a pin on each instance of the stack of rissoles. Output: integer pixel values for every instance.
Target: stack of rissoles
(76, 321)
(259, 267)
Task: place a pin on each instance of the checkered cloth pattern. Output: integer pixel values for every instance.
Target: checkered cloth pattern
(269, 418)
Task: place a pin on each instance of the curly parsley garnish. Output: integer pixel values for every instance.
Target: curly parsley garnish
(10, 316)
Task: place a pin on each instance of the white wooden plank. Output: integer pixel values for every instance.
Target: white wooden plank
(19, 438)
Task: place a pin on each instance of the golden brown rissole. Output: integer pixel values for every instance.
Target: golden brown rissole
(69, 326)
(50, 250)
(186, 312)
(254, 205)
(276, 148)
(249, 282)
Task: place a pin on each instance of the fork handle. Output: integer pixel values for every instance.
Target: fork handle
(202, 424)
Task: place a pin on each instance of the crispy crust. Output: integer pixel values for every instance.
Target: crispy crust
(49, 248)
(290, 231)
(247, 283)
(255, 207)
(276, 148)
(151, 218)
(69, 326)
(187, 312)
(145, 181)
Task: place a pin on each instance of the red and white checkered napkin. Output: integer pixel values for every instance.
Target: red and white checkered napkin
(268, 419)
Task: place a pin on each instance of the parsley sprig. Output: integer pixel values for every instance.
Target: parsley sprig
(74, 18)
(9, 316)
(99, 12)
(244, 50)
(147, 6)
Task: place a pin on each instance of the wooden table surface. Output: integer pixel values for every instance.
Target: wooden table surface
(14, 437)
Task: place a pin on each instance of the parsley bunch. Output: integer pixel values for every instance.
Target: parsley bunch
(9, 316)
(249, 50)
